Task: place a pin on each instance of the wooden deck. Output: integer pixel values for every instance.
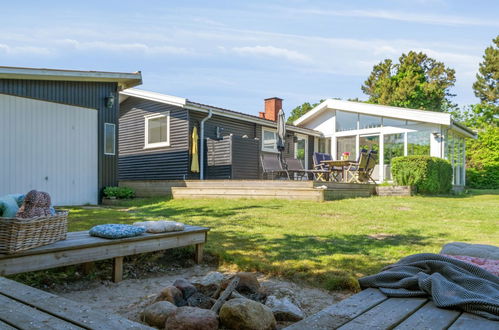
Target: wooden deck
(370, 309)
(24, 307)
(271, 189)
(80, 247)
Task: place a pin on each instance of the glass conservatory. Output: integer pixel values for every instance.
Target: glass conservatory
(352, 126)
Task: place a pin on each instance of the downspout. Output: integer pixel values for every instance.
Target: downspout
(201, 149)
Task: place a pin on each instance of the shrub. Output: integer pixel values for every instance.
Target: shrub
(119, 192)
(482, 159)
(430, 175)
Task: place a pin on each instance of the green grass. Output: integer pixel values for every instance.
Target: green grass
(327, 244)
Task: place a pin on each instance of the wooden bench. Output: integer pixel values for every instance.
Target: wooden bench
(80, 247)
(371, 309)
(24, 307)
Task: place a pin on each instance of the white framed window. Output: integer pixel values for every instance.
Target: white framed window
(109, 139)
(157, 130)
(269, 140)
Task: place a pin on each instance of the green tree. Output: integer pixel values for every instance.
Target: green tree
(486, 86)
(416, 81)
(301, 110)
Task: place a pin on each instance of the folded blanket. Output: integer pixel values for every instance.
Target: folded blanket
(449, 282)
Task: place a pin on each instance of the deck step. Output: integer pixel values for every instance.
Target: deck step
(287, 193)
(249, 183)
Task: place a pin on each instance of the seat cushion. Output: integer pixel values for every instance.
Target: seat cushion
(116, 231)
(8, 207)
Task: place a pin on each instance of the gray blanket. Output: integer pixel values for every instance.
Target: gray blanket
(450, 283)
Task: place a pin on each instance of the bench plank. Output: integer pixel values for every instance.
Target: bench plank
(470, 321)
(386, 315)
(62, 308)
(25, 317)
(77, 240)
(5, 326)
(113, 248)
(338, 314)
(430, 317)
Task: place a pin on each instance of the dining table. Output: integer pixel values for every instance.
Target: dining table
(333, 166)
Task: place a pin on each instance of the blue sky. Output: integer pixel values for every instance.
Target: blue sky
(233, 54)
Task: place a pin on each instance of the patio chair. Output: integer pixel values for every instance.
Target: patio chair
(322, 172)
(371, 163)
(296, 169)
(356, 171)
(272, 166)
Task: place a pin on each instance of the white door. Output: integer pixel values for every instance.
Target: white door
(50, 147)
(301, 149)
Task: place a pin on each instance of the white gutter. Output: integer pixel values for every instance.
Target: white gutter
(201, 138)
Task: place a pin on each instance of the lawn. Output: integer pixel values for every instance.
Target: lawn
(326, 244)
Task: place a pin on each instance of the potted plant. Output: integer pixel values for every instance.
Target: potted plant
(345, 155)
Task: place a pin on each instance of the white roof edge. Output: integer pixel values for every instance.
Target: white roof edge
(126, 80)
(153, 96)
(463, 130)
(378, 110)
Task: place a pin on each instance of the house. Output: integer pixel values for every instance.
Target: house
(392, 131)
(58, 130)
(155, 139)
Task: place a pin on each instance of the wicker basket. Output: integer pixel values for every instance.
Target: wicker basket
(18, 234)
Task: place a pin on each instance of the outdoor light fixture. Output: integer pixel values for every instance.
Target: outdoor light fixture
(110, 101)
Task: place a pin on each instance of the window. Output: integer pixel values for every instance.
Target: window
(157, 130)
(346, 121)
(393, 122)
(109, 139)
(418, 143)
(269, 140)
(393, 147)
(346, 144)
(366, 121)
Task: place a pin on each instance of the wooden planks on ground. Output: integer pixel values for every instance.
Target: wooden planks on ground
(346, 310)
(429, 317)
(470, 321)
(53, 312)
(386, 315)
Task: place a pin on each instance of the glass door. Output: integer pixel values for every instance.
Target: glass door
(301, 149)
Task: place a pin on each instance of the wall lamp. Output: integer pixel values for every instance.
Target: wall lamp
(110, 101)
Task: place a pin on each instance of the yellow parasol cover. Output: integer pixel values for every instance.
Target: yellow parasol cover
(194, 151)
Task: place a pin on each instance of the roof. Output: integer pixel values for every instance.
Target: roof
(425, 116)
(195, 106)
(124, 80)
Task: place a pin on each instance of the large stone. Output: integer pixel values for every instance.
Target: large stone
(185, 286)
(248, 283)
(207, 290)
(172, 294)
(246, 314)
(284, 309)
(200, 300)
(192, 318)
(212, 278)
(157, 313)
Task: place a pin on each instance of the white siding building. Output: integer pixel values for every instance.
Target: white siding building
(351, 126)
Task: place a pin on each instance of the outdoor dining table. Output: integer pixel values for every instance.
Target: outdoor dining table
(339, 163)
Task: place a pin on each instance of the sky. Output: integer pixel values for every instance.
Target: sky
(234, 54)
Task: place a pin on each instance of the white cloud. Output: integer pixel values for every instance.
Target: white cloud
(24, 50)
(126, 47)
(401, 16)
(272, 51)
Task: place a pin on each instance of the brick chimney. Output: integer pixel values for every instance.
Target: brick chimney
(272, 107)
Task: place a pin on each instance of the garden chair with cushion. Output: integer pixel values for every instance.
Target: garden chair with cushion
(272, 166)
(322, 171)
(371, 163)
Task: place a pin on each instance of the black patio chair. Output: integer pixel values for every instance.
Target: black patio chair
(321, 170)
(272, 166)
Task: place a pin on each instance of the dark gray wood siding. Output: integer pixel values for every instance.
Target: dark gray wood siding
(227, 125)
(84, 94)
(165, 163)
